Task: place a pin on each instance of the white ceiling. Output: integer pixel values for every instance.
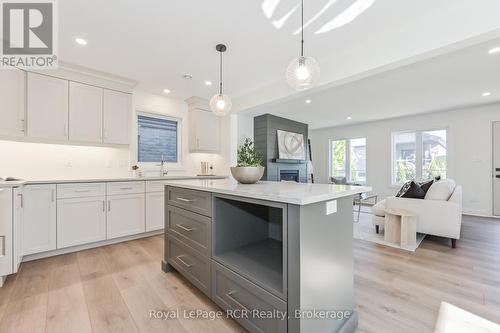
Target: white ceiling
(154, 42)
(448, 81)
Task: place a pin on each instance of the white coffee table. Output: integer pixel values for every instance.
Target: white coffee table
(400, 228)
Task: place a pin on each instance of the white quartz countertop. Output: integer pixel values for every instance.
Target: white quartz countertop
(286, 192)
(99, 180)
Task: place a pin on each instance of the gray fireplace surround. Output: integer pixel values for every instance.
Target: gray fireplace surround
(266, 142)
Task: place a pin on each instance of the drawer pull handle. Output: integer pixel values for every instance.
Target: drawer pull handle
(234, 300)
(184, 199)
(184, 228)
(126, 188)
(183, 262)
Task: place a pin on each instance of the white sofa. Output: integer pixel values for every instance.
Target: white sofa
(439, 214)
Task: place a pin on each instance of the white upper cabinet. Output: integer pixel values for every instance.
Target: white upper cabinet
(204, 127)
(117, 116)
(47, 109)
(85, 113)
(12, 111)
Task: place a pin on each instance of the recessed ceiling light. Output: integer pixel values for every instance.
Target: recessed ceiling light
(208, 83)
(308, 101)
(349, 118)
(187, 76)
(486, 94)
(81, 41)
(494, 50)
(166, 91)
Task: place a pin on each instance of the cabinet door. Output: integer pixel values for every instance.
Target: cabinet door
(85, 113)
(47, 107)
(206, 128)
(126, 215)
(5, 231)
(18, 211)
(80, 221)
(117, 114)
(155, 203)
(39, 227)
(12, 90)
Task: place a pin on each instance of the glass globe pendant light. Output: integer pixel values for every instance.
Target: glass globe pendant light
(220, 104)
(303, 72)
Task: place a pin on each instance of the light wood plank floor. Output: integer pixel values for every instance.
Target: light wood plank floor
(113, 288)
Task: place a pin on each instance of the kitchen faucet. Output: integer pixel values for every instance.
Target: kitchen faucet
(163, 170)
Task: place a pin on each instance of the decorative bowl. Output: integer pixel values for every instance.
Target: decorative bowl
(247, 175)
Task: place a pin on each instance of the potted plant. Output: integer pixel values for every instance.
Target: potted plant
(249, 169)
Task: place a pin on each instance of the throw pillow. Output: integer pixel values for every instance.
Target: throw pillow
(426, 185)
(441, 190)
(414, 192)
(404, 188)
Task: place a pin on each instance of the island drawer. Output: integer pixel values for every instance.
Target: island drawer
(196, 201)
(191, 264)
(233, 292)
(120, 188)
(80, 190)
(191, 228)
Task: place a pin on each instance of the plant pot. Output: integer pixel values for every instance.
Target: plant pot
(247, 175)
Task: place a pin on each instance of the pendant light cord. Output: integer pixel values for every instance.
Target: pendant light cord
(220, 75)
(302, 30)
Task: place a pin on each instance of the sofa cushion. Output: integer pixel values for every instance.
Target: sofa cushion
(441, 190)
(379, 208)
(414, 192)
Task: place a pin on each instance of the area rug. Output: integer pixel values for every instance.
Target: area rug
(365, 230)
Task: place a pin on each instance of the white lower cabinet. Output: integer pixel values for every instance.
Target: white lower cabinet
(40, 225)
(18, 223)
(155, 205)
(80, 221)
(6, 231)
(126, 215)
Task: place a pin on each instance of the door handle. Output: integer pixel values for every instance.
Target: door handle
(498, 176)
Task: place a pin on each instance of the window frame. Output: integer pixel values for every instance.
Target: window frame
(153, 165)
(347, 157)
(419, 156)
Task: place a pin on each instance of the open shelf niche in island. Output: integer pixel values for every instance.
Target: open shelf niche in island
(250, 238)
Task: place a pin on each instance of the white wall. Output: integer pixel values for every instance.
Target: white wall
(58, 161)
(191, 162)
(245, 128)
(469, 150)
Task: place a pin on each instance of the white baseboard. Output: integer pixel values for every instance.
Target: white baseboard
(89, 246)
(2, 280)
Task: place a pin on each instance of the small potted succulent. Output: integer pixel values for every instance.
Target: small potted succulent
(249, 169)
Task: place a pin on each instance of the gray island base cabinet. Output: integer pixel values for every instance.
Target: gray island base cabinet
(257, 257)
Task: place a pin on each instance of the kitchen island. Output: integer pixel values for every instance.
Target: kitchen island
(278, 257)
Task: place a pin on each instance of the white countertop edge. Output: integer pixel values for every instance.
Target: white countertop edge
(102, 180)
(353, 190)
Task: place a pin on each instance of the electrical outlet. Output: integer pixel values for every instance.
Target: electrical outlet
(69, 164)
